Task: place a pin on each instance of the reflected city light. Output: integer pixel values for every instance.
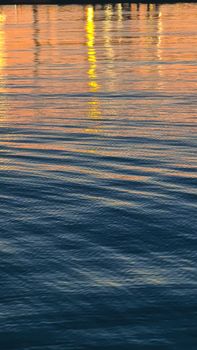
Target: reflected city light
(119, 12)
(95, 113)
(159, 50)
(91, 49)
(160, 30)
(108, 43)
(94, 104)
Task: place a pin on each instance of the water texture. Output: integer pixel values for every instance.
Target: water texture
(98, 178)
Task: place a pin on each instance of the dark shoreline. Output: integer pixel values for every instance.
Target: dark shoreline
(89, 2)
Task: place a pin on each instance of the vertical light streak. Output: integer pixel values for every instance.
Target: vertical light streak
(94, 104)
(119, 12)
(108, 44)
(159, 49)
(90, 33)
(160, 30)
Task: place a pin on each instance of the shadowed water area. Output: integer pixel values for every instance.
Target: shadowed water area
(98, 177)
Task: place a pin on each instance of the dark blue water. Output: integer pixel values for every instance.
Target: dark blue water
(98, 177)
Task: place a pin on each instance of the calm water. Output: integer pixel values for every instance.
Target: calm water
(97, 177)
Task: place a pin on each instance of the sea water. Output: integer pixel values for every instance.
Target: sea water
(98, 110)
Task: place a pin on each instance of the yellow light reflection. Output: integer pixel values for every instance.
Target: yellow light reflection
(91, 50)
(95, 113)
(119, 12)
(94, 104)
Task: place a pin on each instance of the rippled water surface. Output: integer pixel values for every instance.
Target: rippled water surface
(97, 177)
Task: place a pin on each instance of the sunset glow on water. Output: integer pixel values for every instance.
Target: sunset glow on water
(98, 177)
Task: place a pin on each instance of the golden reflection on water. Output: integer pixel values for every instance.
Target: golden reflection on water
(94, 104)
(120, 15)
(90, 33)
(103, 54)
(127, 48)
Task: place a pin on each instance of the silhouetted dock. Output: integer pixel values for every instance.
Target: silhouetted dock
(68, 2)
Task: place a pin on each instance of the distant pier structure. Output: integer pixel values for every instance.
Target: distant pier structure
(67, 2)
